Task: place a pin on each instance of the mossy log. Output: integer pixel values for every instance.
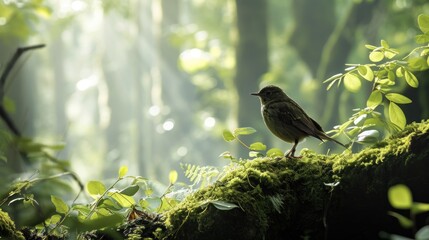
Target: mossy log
(289, 198)
(7, 228)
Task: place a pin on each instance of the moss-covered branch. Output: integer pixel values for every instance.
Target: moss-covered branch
(288, 199)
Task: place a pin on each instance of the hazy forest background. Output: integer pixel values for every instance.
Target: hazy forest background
(151, 84)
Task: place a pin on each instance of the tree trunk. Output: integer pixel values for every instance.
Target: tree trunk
(251, 56)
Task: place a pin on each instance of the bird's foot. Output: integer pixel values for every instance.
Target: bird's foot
(291, 155)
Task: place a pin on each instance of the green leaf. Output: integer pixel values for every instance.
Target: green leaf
(95, 188)
(368, 137)
(153, 202)
(352, 82)
(167, 204)
(422, 38)
(384, 44)
(226, 155)
(398, 98)
(417, 64)
(222, 205)
(60, 205)
(374, 99)
(54, 219)
(109, 203)
(419, 208)
(391, 76)
(130, 190)
(370, 47)
(404, 221)
(244, 131)
(424, 52)
(423, 21)
(258, 146)
(386, 82)
(98, 223)
(400, 196)
(411, 79)
(122, 171)
(228, 136)
(389, 54)
(423, 233)
(366, 72)
(172, 176)
(396, 115)
(275, 152)
(122, 199)
(255, 154)
(400, 72)
(376, 56)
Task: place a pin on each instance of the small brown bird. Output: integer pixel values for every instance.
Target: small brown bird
(287, 120)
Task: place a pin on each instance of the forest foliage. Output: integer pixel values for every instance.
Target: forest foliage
(47, 186)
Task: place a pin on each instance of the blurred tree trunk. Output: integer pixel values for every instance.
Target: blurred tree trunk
(324, 41)
(251, 55)
(148, 92)
(60, 90)
(118, 88)
(178, 93)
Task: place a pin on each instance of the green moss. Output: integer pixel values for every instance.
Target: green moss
(255, 186)
(7, 228)
(287, 198)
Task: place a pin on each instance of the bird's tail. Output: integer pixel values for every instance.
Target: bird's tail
(326, 137)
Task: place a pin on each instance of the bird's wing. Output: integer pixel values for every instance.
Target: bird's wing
(299, 119)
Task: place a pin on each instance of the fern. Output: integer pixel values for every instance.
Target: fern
(202, 175)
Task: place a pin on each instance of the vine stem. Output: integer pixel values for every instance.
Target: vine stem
(94, 206)
(242, 143)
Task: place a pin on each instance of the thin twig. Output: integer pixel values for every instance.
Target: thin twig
(12, 62)
(3, 114)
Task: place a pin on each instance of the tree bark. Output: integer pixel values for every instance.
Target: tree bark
(251, 55)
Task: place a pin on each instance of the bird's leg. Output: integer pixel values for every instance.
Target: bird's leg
(291, 152)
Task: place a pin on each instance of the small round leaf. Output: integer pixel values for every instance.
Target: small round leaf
(228, 136)
(172, 176)
(258, 146)
(400, 197)
(423, 21)
(122, 171)
(376, 56)
(352, 82)
(374, 99)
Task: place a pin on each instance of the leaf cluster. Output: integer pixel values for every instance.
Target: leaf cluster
(111, 206)
(256, 149)
(384, 74)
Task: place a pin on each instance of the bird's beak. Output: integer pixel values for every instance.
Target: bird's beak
(255, 94)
